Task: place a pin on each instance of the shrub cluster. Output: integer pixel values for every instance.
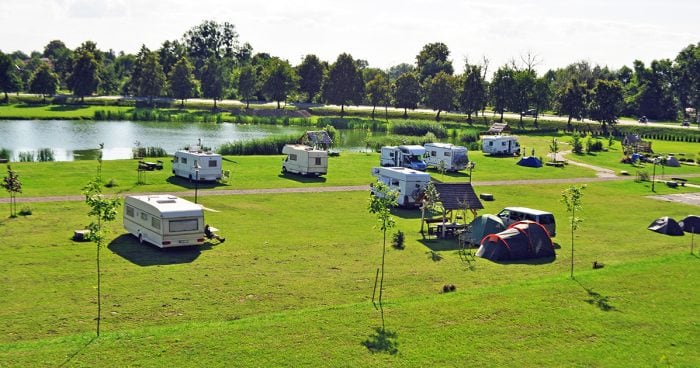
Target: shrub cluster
(263, 146)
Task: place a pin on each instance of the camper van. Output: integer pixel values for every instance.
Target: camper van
(510, 215)
(408, 183)
(164, 220)
(304, 160)
(410, 156)
(454, 158)
(195, 164)
(500, 145)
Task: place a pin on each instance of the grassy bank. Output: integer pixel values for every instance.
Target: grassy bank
(292, 285)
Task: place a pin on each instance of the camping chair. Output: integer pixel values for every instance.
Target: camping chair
(225, 176)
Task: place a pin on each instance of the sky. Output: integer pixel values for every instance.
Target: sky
(609, 33)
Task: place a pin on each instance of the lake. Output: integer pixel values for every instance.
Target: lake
(74, 140)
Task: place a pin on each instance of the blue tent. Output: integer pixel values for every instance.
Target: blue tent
(530, 161)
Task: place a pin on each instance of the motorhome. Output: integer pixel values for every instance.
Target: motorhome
(408, 183)
(410, 156)
(304, 160)
(500, 145)
(510, 215)
(446, 155)
(196, 164)
(164, 220)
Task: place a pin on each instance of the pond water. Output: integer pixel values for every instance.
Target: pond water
(74, 140)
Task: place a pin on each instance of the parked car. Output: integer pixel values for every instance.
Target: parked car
(529, 112)
(685, 123)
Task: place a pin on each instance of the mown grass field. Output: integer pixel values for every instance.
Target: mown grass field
(292, 284)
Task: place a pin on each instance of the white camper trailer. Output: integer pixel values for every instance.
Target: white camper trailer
(304, 160)
(409, 183)
(410, 156)
(195, 164)
(164, 220)
(454, 158)
(500, 145)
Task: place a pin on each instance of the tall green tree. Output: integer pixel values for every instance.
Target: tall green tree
(247, 83)
(503, 89)
(102, 210)
(183, 85)
(85, 78)
(407, 92)
(440, 93)
(541, 96)
(208, 40)
(606, 102)
(433, 59)
(378, 92)
(61, 58)
(279, 80)
(9, 77)
(472, 94)
(12, 185)
(686, 73)
(573, 101)
(523, 93)
(44, 82)
(572, 198)
(151, 79)
(311, 72)
(395, 71)
(650, 91)
(380, 204)
(169, 54)
(344, 83)
(213, 80)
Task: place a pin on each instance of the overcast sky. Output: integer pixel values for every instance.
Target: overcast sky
(383, 32)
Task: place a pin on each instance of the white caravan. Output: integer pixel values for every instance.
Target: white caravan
(410, 156)
(454, 158)
(195, 164)
(510, 215)
(164, 220)
(304, 160)
(408, 183)
(500, 145)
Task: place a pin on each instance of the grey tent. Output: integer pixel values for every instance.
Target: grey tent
(671, 161)
(481, 226)
(690, 224)
(667, 226)
(522, 240)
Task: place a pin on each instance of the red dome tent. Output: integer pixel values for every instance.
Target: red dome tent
(522, 240)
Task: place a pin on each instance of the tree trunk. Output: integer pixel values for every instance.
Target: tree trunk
(568, 124)
(437, 117)
(386, 112)
(182, 103)
(469, 118)
(7, 98)
(374, 107)
(215, 104)
(405, 113)
(278, 105)
(501, 116)
(342, 112)
(247, 103)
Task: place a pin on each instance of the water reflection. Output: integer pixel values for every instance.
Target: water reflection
(77, 140)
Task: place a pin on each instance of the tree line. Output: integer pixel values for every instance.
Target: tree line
(209, 61)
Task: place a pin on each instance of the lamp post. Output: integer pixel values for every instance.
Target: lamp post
(470, 167)
(653, 175)
(196, 179)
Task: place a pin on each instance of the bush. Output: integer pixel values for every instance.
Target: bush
(45, 155)
(265, 146)
(398, 240)
(27, 156)
(576, 144)
(418, 128)
(112, 183)
(5, 153)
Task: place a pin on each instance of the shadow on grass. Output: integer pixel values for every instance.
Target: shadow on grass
(382, 341)
(73, 355)
(440, 245)
(406, 213)
(127, 247)
(531, 261)
(67, 107)
(597, 300)
(302, 178)
(186, 183)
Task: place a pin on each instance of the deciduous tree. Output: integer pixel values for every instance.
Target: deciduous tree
(433, 59)
(407, 92)
(183, 85)
(573, 101)
(84, 79)
(572, 198)
(12, 185)
(311, 71)
(380, 204)
(43, 82)
(247, 83)
(378, 92)
(440, 93)
(151, 79)
(213, 81)
(344, 83)
(9, 78)
(279, 80)
(472, 96)
(606, 102)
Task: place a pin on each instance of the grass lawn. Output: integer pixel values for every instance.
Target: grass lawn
(47, 111)
(292, 285)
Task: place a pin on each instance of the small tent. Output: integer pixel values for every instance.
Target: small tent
(667, 226)
(672, 161)
(530, 161)
(522, 240)
(482, 226)
(690, 224)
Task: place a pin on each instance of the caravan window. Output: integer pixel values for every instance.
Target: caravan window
(183, 225)
(433, 153)
(212, 163)
(130, 211)
(318, 161)
(175, 159)
(293, 156)
(155, 222)
(394, 182)
(490, 143)
(144, 216)
(183, 160)
(448, 153)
